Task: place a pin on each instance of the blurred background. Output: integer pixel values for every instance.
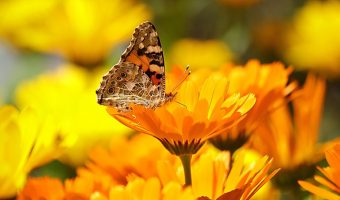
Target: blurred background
(53, 53)
(37, 37)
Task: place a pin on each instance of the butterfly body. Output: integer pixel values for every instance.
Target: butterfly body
(139, 76)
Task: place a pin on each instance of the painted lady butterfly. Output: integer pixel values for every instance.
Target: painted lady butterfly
(139, 76)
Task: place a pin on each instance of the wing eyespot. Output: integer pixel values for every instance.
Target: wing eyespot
(110, 90)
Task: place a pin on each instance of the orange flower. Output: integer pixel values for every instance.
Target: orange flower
(332, 176)
(217, 181)
(127, 157)
(243, 179)
(142, 169)
(292, 139)
(197, 114)
(269, 84)
(150, 189)
(53, 189)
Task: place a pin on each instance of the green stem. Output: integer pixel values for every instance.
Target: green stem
(186, 162)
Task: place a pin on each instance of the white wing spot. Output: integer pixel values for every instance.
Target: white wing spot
(154, 49)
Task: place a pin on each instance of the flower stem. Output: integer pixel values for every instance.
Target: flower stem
(231, 160)
(186, 162)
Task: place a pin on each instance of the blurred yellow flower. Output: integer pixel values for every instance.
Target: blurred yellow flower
(198, 113)
(332, 176)
(27, 140)
(199, 54)
(313, 42)
(68, 94)
(83, 31)
(269, 84)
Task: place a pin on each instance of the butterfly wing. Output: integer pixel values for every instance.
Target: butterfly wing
(139, 77)
(145, 50)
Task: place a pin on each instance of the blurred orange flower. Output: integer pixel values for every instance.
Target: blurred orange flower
(202, 112)
(332, 176)
(42, 188)
(269, 84)
(291, 139)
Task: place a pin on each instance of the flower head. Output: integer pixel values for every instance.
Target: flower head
(331, 179)
(269, 84)
(27, 140)
(128, 156)
(83, 32)
(197, 114)
(293, 137)
(242, 181)
(67, 94)
(218, 179)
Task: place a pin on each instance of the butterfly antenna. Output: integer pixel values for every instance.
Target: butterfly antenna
(187, 72)
(181, 104)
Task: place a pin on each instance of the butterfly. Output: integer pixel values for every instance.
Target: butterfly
(139, 76)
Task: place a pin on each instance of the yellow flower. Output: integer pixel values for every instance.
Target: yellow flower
(27, 140)
(269, 83)
(331, 179)
(82, 31)
(208, 53)
(198, 113)
(291, 139)
(314, 41)
(67, 94)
